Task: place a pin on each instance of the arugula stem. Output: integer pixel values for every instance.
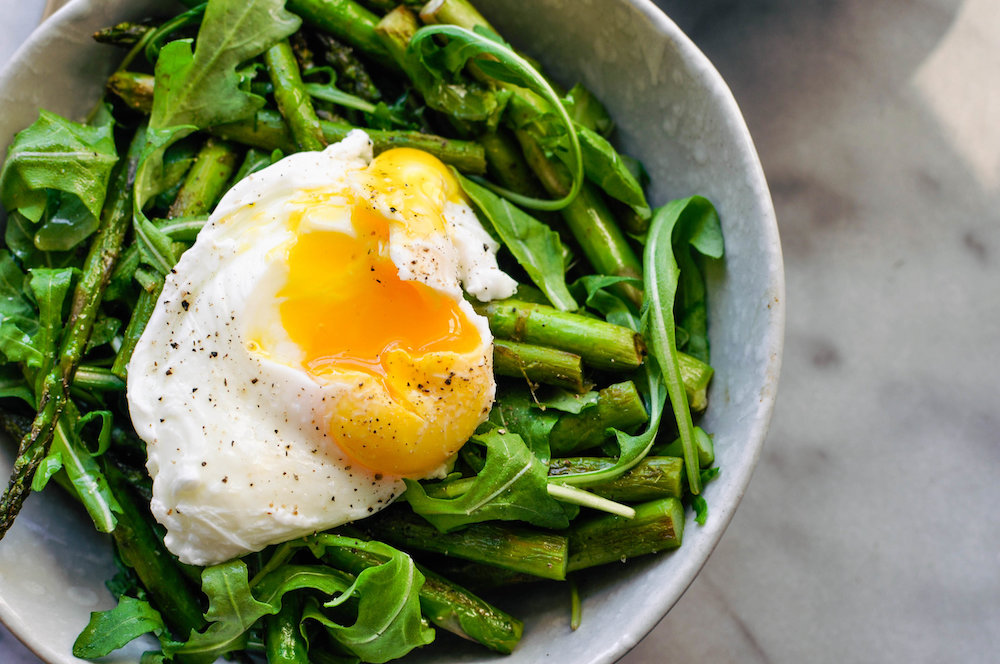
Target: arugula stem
(538, 364)
(98, 266)
(658, 525)
(602, 345)
(575, 496)
(519, 549)
(292, 98)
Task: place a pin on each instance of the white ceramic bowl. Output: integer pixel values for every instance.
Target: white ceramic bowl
(674, 113)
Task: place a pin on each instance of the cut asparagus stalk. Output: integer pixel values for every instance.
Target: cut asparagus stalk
(538, 364)
(696, 376)
(602, 345)
(347, 21)
(516, 548)
(293, 101)
(619, 406)
(588, 217)
(268, 131)
(206, 180)
(653, 477)
(658, 525)
(703, 445)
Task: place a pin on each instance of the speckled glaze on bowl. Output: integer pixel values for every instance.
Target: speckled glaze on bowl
(674, 113)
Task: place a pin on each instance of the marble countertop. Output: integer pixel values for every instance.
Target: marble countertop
(869, 532)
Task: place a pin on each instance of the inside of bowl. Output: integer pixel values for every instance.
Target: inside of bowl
(673, 113)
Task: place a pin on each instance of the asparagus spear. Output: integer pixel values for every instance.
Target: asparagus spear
(445, 604)
(540, 553)
(143, 310)
(658, 525)
(602, 345)
(142, 550)
(283, 641)
(127, 33)
(205, 180)
(98, 266)
(618, 406)
(653, 477)
(203, 185)
(97, 379)
(587, 216)
(703, 444)
(538, 364)
(696, 376)
(268, 131)
(347, 21)
(293, 100)
(352, 75)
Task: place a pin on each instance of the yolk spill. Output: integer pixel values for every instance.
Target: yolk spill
(346, 308)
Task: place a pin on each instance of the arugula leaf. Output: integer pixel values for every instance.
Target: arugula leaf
(49, 466)
(511, 486)
(68, 224)
(12, 384)
(513, 411)
(50, 288)
(199, 89)
(698, 235)
(202, 88)
(19, 318)
(388, 623)
(536, 247)
(61, 155)
(83, 471)
(110, 630)
(565, 401)
(608, 170)
(232, 610)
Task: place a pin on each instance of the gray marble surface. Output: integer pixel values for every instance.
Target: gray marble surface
(869, 532)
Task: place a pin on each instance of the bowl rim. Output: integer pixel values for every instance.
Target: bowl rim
(772, 343)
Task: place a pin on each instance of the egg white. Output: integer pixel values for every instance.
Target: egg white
(237, 441)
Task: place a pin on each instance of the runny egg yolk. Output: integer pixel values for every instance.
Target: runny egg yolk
(414, 355)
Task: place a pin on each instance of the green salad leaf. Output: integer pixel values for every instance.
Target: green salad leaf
(110, 630)
(198, 89)
(59, 155)
(698, 236)
(511, 486)
(535, 245)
